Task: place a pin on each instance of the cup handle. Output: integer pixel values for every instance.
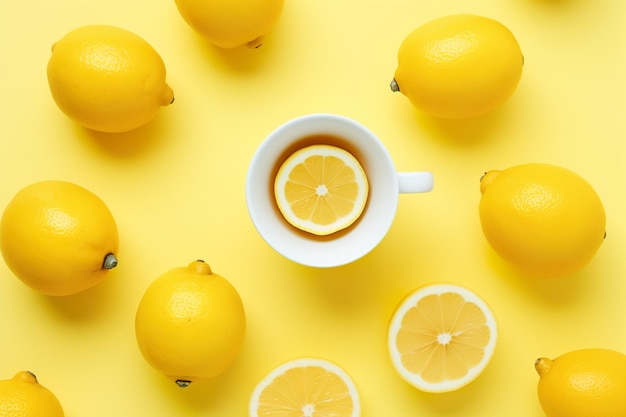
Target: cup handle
(415, 182)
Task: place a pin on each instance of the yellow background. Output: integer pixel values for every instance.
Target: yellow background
(176, 189)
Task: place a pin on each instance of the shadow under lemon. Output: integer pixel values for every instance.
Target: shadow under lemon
(88, 305)
(131, 143)
(198, 396)
(466, 132)
(555, 290)
(238, 60)
(201, 395)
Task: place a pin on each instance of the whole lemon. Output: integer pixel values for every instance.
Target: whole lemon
(583, 383)
(23, 396)
(231, 23)
(190, 324)
(107, 79)
(458, 66)
(58, 237)
(542, 218)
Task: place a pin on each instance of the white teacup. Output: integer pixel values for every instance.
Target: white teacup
(384, 182)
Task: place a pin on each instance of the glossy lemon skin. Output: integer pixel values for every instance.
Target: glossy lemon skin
(107, 79)
(55, 236)
(228, 23)
(459, 66)
(190, 324)
(23, 396)
(542, 218)
(583, 383)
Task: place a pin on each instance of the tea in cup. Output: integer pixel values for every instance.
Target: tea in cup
(371, 193)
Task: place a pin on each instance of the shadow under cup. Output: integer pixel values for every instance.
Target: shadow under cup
(342, 247)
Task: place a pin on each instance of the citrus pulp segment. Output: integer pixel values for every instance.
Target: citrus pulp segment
(306, 387)
(441, 337)
(321, 189)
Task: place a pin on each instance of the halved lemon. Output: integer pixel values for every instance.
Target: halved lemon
(306, 387)
(321, 189)
(441, 337)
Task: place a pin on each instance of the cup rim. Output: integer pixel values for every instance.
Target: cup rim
(383, 199)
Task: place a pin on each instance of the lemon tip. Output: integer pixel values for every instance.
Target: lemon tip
(542, 365)
(110, 261)
(394, 86)
(168, 95)
(200, 267)
(255, 43)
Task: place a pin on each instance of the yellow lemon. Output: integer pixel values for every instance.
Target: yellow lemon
(107, 79)
(306, 387)
(321, 189)
(228, 23)
(23, 396)
(190, 324)
(542, 218)
(58, 237)
(441, 337)
(458, 66)
(583, 383)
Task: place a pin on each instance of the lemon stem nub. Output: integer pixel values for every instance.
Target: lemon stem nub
(183, 383)
(110, 261)
(394, 86)
(255, 43)
(542, 366)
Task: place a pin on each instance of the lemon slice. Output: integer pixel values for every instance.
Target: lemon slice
(321, 189)
(306, 387)
(441, 337)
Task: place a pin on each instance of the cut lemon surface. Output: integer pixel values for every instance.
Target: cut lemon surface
(321, 189)
(441, 337)
(306, 387)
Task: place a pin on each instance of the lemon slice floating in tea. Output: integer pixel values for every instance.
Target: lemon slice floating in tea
(306, 387)
(321, 189)
(441, 337)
